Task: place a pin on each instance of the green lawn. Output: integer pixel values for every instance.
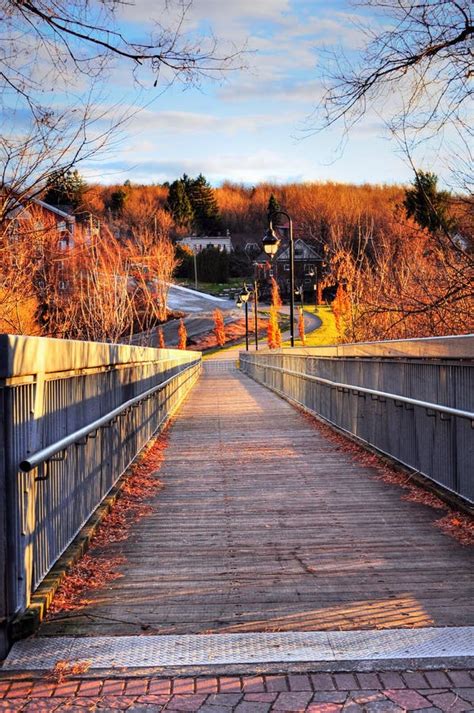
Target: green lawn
(325, 334)
(212, 288)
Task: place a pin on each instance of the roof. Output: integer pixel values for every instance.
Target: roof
(308, 252)
(61, 213)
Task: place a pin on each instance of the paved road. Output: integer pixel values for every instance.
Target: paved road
(188, 300)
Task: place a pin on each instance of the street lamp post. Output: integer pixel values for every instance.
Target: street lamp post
(195, 269)
(271, 243)
(299, 292)
(243, 299)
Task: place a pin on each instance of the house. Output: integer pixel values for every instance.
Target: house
(44, 216)
(309, 265)
(198, 243)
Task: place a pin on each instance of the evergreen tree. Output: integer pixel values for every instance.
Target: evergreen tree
(179, 205)
(213, 265)
(207, 219)
(65, 189)
(428, 206)
(273, 207)
(117, 200)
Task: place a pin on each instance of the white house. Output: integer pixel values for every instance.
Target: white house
(201, 242)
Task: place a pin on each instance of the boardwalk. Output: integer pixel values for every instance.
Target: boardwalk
(265, 525)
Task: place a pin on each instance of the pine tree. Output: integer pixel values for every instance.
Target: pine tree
(428, 206)
(273, 207)
(207, 219)
(65, 189)
(178, 203)
(117, 200)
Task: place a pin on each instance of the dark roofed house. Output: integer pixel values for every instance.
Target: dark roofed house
(308, 268)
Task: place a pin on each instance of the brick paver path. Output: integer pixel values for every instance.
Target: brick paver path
(426, 691)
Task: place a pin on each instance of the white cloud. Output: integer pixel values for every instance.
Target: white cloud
(251, 168)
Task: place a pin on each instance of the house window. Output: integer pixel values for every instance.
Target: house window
(309, 268)
(286, 267)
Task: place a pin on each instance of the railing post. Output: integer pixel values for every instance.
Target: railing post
(4, 573)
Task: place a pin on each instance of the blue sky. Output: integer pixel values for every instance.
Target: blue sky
(252, 126)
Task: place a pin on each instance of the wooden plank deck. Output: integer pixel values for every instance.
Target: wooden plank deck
(265, 525)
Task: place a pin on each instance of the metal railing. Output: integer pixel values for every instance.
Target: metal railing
(419, 411)
(75, 415)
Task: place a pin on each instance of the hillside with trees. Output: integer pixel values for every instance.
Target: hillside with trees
(399, 259)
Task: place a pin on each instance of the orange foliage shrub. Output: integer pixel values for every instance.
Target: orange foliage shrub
(161, 339)
(273, 329)
(219, 328)
(182, 335)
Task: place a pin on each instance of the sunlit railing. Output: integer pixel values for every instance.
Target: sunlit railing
(74, 415)
(410, 399)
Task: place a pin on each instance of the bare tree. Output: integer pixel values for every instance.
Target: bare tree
(418, 49)
(414, 72)
(153, 257)
(56, 57)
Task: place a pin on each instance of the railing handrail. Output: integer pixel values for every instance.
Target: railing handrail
(459, 346)
(364, 389)
(47, 453)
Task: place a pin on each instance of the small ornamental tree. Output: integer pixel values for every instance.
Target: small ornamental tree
(301, 326)
(219, 328)
(182, 335)
(273, 329)
(276, 299)
(161, 339)
(319, 292)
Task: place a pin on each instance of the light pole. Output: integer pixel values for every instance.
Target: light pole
(243, 299)
(271, 243)
(195, 269)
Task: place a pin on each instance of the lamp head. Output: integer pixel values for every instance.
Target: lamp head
(270, 242)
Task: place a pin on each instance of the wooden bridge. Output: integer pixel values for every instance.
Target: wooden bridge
(266, 524)
(270, 523)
